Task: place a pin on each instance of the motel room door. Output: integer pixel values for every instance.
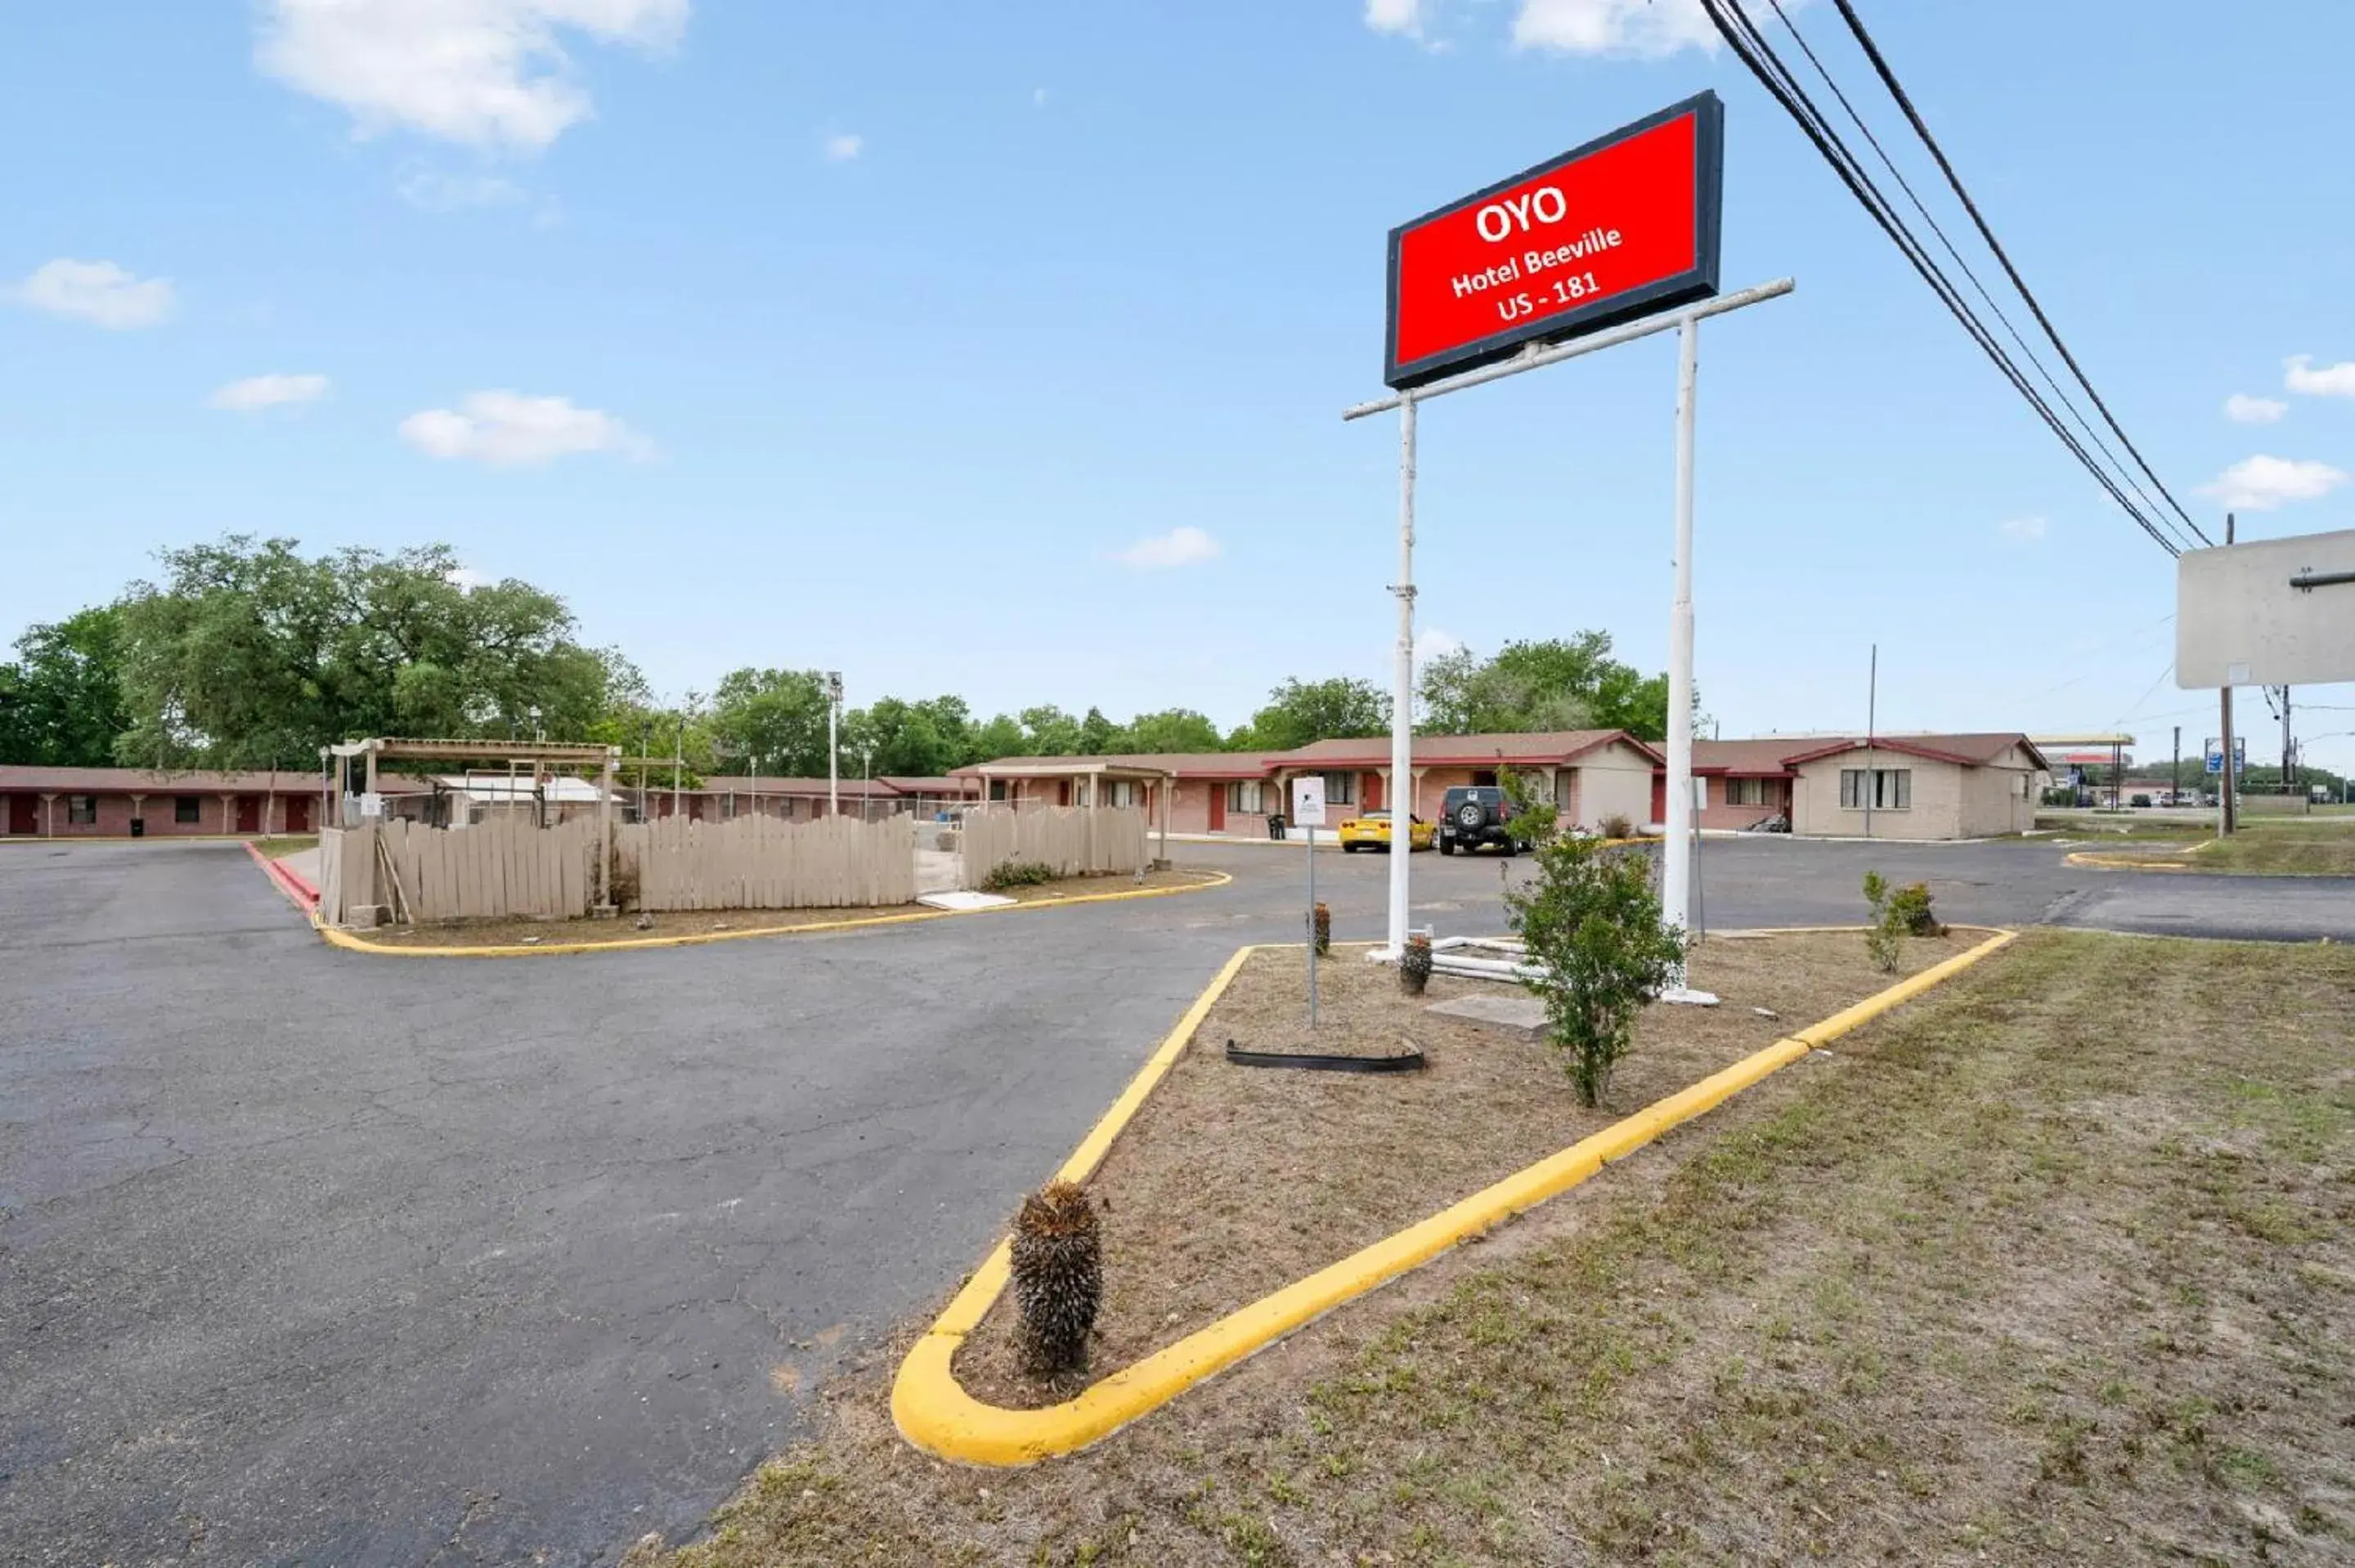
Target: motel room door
(1218, 807)
(24, 814)
(249, 813)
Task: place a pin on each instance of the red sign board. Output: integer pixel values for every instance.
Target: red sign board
(1618, 228)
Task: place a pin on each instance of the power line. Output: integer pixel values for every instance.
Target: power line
(1752, 48)
(2011, 331)
(1889, 79)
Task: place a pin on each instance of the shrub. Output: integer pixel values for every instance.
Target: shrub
(1616, 826)
(1321, 929)
(1058, 1274)
(1016, 874)
(1897, 913)
(1592, 924)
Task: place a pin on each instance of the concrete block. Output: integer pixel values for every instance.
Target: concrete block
(1521, 1015)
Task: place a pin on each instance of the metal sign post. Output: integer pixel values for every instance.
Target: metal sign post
(1308, 811)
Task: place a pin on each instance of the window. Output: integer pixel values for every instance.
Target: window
(82, 810)
(1889, 789)
(1243, 795)
(1340, 789)
(1120, 792)
(185, 810)
(1745, 791)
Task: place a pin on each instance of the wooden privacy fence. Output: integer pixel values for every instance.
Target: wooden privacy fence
(1074, 840)
(759, 862)
(501, 868)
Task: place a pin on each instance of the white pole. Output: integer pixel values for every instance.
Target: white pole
(833, 765)
(1675, 881)
(1402, 800)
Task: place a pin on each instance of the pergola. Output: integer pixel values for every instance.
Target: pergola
(544, 756)
(1097, 772)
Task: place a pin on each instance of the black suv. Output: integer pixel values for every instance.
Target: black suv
(1476, 814)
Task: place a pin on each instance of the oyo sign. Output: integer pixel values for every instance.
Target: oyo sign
(1618, 228)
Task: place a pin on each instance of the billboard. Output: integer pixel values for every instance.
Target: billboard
(2276, 613)
(1620, 228)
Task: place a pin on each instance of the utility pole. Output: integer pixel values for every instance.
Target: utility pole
(1872, 718)
(2286, 747)
(833, 743)
(2226, 815)
(2174, 772)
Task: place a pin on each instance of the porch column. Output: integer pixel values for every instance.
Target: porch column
(1414, 788)
(229, 816)
(50, 816)
(138, 806)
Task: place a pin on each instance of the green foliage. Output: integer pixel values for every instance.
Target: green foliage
(920, 739)
(1884, 937)
(1592, 928)
(769, 721)
(62, 702)
(1320, 928)
(1013, 874)
(1536, 819)
(1001, 737)
(1909, 907)
(1172, 729)
(1551, 685)
(249, 653)
(1300, 711)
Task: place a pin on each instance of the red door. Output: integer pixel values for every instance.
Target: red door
(1218, 807)
(298, 813)
(249, 813)
(1659, 797)
(1369, 787)
(24, 814)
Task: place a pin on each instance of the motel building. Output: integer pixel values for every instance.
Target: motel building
(139, 802)
(1922, 787)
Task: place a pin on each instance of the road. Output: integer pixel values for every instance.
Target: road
(308, 1256)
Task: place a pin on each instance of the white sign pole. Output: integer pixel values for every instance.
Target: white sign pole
(1675, 881)
(1402, 800)
(1308, 811)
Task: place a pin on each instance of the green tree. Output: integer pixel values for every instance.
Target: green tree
(1099, 735)
(1299, 712)
(1541, 685)
(249, 653)
(61, 701)
(1596, 938)
(1172, 729)
(922, 738)
(1001, 737)
(1049, 731)
(772, 720)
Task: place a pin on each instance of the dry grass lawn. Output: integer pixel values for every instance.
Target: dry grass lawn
(1233, 1181)
(2054, 1266)
(743, 922)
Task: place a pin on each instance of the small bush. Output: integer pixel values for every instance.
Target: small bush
(1592, 924)
(1414, 964)
(1616, 826)
(1897, 913)
(1321, 929)
(1013, 874)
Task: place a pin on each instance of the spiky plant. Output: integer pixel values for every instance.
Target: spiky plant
(1414, 964)
(1320, 927)
(1058, 1274)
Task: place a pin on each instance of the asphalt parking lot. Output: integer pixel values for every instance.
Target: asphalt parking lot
(308, 1256)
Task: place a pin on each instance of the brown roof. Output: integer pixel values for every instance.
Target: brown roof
(1537, 746)
(1749, 758)
(158, 781)
(1184, 764)
(770, 784)
(1975, 750)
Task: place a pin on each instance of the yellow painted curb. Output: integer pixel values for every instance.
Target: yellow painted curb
(933, 1410)
(2105, 860)
(336, 937)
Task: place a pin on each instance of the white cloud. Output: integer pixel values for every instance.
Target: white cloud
(488, 72)
(2022, 530)
(1647, 28)
(267, 392)
(2331, 381)
(97, 292)
(508, 429)
(1181, 546)
(1400, 16)
(2244, 409)
(1433, 644)
(429, 190)
(467, 578)
(841, 146)
(2260, 483)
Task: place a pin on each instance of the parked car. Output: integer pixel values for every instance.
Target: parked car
(1473, 815)
(1371, 830)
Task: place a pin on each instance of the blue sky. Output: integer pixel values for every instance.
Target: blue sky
(999, 349)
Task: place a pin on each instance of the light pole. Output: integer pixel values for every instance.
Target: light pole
(866, 762)
(833, 743)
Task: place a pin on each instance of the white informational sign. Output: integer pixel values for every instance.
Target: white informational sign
(1308, 803)
(371, 804)
(2278, 612)
(2216, 755)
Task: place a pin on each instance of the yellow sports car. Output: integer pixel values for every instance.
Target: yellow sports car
(1371, 830)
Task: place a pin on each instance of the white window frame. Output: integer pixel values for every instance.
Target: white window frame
(1341, 788)
(1891, 789)
(1745, 791)
(1246, 796)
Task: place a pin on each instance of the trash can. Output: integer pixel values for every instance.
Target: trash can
(138, 827)
(1275, 824)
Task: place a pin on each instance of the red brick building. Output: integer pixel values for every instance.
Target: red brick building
(138, 802)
